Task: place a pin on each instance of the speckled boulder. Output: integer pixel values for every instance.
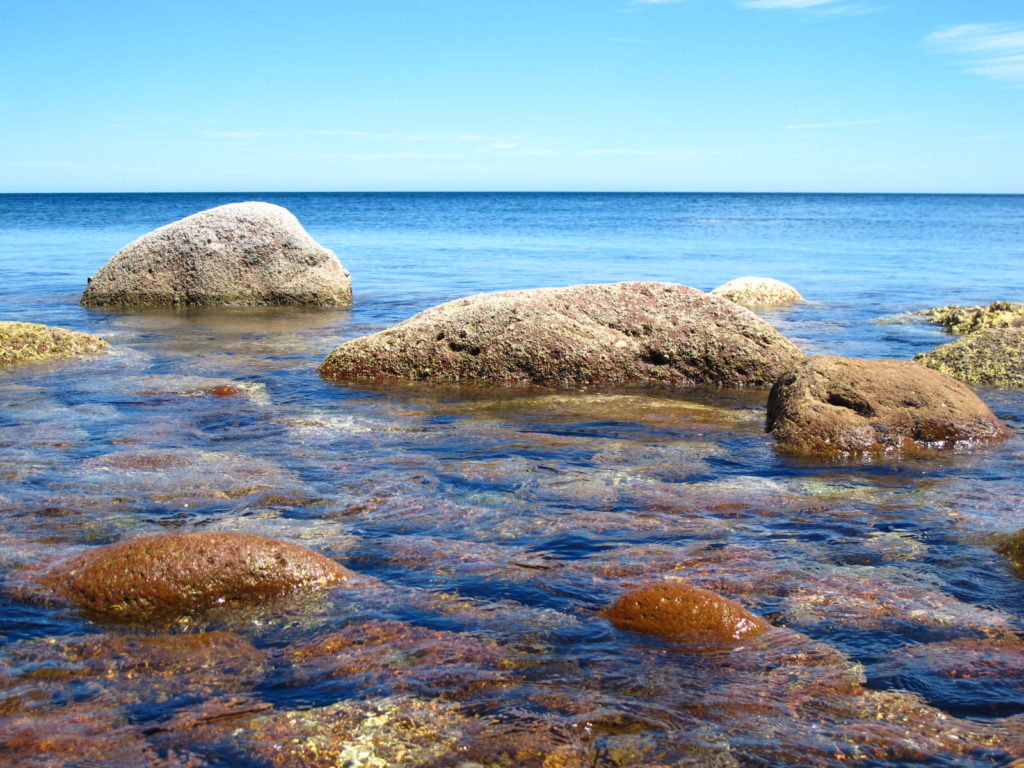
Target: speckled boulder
(759, 292)
(993, 357)
(180, 573)
(585, 334)
(30, 342)
(842, 406)
(686, 615)
(237, 254)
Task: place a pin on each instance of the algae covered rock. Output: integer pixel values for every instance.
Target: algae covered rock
(964, 320)
(30, 342)
(759, 292)
(180, 573)
(843, 406)
(1012, 548)
(690, 616)
(238, 254)
(639, 332)
(993, 357)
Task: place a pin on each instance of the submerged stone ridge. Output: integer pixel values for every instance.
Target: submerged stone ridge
(844, 406)
(636, 332)
(31, 342)
(238, 254)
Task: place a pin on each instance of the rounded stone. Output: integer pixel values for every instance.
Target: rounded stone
(686, 615)
(618, 333)
(841, 406)
(239, 254)
(31, 342)
(180, 573)
(992, 357)
(760, 292)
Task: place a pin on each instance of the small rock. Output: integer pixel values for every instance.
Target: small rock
(964, 320)
(181, 573)
(842, 406)
(1012, 548)
(993, 357)
(238, 254)
(686, 615)
(30, 342)
(585, 334)
(759, 292)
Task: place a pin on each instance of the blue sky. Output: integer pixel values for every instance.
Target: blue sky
(659, 95)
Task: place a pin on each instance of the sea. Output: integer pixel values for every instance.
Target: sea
(496, 525)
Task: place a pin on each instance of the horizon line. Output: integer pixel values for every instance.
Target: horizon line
(493, 192)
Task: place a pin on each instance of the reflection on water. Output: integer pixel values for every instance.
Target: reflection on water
(496, 525)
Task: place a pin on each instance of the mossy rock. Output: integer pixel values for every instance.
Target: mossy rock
(1012, 548)
(32, 342)
(993, 357)
(965, 320)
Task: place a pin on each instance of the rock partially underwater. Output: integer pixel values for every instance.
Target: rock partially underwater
(964, 320)
(842, 406)
(181, 573)
(637, 332)
(992, 357)
(31, 342)
(759, 292)
(238, 254)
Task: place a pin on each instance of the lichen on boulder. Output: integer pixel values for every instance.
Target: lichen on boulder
(964, 320)
(615, 333)
(31, 342)
(993, 357)
(182, 573)
(688, 616)
(841, 406)
(759, 292)
(239, 254)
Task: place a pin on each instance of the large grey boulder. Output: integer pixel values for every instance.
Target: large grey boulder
(237, 254)
(617, 333)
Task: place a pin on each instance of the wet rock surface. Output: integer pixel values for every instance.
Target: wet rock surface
(838, 406)
(620, 333)
(32, 342)
(1012, 548)
(156, 576)
(992, 357)
(238, 254)
(758, 292)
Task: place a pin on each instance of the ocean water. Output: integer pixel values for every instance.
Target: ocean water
(498, 523)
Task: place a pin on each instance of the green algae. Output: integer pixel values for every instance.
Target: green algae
(966, 320)
(32, 342)
(993, 357)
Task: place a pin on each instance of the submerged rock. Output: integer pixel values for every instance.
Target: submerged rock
(584, 334)
(1012, 548)
(964, 320)
(181, 573)
(760, 292)
(237, 254)
(31, 342)
(843, 406)
(694, 617)
(993, 357)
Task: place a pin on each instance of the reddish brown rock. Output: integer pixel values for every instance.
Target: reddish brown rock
(659, 333)
(186, 572)
(686, 615)
(843, 406)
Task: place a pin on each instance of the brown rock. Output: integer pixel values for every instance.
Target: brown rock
(29, 342)
(180, 573)
(238, 254)
(687, 615)
(585, 334)
(843, 406)
(1012, 548)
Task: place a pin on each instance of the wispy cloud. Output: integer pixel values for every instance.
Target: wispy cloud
(239, 134)
(843, 123)
(657, 2)
(995, 51)
(818, 7)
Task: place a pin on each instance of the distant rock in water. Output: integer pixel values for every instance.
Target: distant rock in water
(758, 292)
(636, 332)
(993, 357)
(237, 254)
(686, 615)
(30, 342)
(964, 320)
(181, 573)
(842, 406)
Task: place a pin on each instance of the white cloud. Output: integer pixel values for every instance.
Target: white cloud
(843, 123)
(239, 134)
(818, 7)
(657, 2)
(772, 4)
(995, 51)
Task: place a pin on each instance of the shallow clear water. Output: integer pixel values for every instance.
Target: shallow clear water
(498, 523)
